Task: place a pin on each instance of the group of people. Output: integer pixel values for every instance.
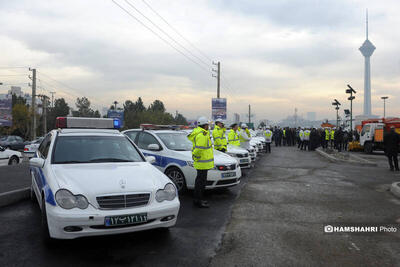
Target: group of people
(203, 155)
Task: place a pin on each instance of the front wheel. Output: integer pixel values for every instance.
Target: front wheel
(178, 178)
(13, 161)
(368, 148)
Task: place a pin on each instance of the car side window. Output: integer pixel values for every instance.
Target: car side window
(19, 139)
(43, 149)
(145, 139)
(132, 135)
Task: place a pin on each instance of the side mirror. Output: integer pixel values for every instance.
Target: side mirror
(36, 162)
(2, 148)
(153, 147)
(150, 159)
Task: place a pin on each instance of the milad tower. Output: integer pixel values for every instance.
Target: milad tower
(367, 49)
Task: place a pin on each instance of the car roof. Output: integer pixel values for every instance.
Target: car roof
(99, 132)
(154, 131)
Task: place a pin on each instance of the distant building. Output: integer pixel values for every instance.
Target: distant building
(236, 118)
(311, 116)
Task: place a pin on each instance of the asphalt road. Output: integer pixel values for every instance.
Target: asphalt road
(14, 177)
(279, 218)
(192, 242)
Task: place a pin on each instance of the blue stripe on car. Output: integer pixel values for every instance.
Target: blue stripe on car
(42, 184)
(165, 161)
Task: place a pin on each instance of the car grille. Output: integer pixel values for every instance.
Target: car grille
(123, 201)
(229, 181)
(242, 155)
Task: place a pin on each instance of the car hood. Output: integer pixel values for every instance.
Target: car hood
(236, 150)
(219, 157)
(10, 153)
(97, 179)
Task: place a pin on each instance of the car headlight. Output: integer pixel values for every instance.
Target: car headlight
(66, 200)
(231, 154)
(168, 193)
(190, 163)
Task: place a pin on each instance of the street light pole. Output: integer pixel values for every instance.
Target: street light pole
(337, 104)
(384, 105)
(351, 98)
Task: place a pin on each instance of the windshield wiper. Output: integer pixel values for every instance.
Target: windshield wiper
(110, 160)
(70, 162)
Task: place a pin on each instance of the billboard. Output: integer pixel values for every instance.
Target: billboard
(119, 114)
(6, 112)
(218, 108)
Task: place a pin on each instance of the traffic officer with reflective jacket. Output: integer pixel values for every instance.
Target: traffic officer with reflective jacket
(244, 137)
(203, 159)
(268, 140)
(233, 137)
(219, 137)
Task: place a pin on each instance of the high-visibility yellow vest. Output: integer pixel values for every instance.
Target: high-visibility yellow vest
(268, 134)
(224, 140)
(284, 133)
(326, 134)
(332, 135)
(219, 137)
(233, 138)
(202, 152)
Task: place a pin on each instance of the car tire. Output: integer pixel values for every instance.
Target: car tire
(44, 225)
(13, 160)
(33, 195)
(368, 148)
(177, 178)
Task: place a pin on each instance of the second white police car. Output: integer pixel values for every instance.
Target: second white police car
(173, 153)
(96, 182)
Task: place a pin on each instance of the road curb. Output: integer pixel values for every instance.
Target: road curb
(11, 197)
(395, 189)
(358, 161)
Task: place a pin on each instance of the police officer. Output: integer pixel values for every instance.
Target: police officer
(306, 140)
(244, 137)
(233, 136)
(203, 157)
(391, 143)
(301, 139)
(219, 136)
(268, 140)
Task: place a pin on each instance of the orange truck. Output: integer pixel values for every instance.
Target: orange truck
(373, 132)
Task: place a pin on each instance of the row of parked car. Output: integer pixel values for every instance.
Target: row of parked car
(11, 147)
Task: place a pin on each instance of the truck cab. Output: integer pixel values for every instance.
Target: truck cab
(371, 137)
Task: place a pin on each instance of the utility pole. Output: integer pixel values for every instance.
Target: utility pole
(52, 98)
(249, 114)
(218, 71)
(44, 112)
(351, 98)
(33, 130)
(384, 105)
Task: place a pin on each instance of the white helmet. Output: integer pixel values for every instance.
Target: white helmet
(267, 128)
(244, 125)
(202, 121)
(219, 120)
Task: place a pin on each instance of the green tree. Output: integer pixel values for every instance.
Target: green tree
(60, 109)
(21, 120)
(83, 108)
(157, 105)
(180, 119)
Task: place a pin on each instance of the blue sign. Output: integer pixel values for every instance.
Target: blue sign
(6, 112)
(116, 114)
(218, 106)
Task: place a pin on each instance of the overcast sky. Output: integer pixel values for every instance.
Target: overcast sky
(275, 55)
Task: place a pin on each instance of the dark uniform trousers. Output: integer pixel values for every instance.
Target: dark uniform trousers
(393, 159)
(200, 184)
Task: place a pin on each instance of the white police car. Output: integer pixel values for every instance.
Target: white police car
(9, 157)
(241, 155)
(97, 182)
(172, 151)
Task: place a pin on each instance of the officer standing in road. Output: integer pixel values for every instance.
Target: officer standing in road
(391, 143)
(301, 139)
(268, 140)
(233, 137)
(244, 137)
(306, 141)
(203, 157)
(219, 136)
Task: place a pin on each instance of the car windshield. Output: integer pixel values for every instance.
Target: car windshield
(94, 149)
(3, 138)
(176, 141)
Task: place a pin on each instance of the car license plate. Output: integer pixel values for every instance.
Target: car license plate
(125, 219)
(228, 174)
(244, 161)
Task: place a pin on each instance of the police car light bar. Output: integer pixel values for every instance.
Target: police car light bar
(92, 123)
(148, 126)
